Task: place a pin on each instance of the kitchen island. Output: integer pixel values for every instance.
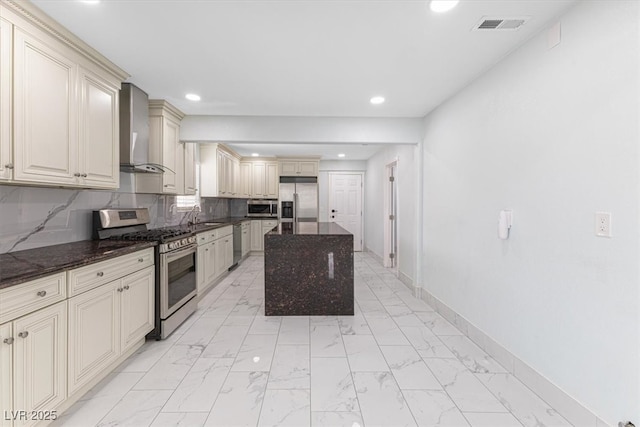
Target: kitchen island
(308, 270)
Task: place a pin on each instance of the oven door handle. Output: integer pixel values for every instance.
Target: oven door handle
(170, 256)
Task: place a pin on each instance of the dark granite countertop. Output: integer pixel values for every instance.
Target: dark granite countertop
(212, 224)
(22, 266)
(308, 228)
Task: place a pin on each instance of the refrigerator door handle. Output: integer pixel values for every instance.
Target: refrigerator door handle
(295, 207)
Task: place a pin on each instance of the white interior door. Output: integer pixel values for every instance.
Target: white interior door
(345, 204)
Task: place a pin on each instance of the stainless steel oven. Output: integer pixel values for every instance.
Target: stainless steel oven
(177, 279)
(262, 208)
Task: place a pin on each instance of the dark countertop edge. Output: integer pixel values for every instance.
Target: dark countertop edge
(59, 268)
(202, 227)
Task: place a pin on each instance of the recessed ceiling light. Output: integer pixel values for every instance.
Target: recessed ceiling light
(442, 5)
(90, 1)
(192, 97)
(255, 154)
(341, 155)
(377, 100)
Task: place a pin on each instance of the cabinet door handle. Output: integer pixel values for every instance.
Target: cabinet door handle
(84, 175)
(206, 250)
(9, 166)
(76, 174)
(41, 293)
(8, 340)
(120, 289)
(23, 334)
(126, 287)
(99, 274)
(140, 259)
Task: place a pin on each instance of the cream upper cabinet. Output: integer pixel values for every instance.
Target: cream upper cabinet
(45, 111)
(6, 52)
(298, 167)
(99, 124)
(40, 359)
(264, 179)
(59, 97)
(164, 149)
(190, 179)
(219, 171)
(244, 180)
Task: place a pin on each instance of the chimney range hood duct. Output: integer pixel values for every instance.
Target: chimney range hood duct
(134, 131)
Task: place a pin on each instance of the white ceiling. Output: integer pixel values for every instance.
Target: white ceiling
(304, 57)
(325, 151)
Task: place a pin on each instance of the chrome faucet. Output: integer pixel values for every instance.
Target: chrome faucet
(194, 212)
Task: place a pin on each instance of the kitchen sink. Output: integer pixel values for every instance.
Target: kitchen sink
(212, 223)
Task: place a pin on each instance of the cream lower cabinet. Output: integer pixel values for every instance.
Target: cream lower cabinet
(258, 229)
(106, 322)
(206, 268)
(33, 365)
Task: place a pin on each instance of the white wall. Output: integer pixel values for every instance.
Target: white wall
(553, 135)
(374, 222)
(301, 129)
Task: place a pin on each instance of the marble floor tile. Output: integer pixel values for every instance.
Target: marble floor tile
(256, 353)
(294, 330)
(332, 386)
(222, 306)
(525, 405)
(171, 369)
(290, 368)
(239, 401)
(326, 341)
(385, 330)
(399, 310)
(408, 368)
(148, 355)
(199, 389)
(263, 325)
(438, 324)
(201, 332)
(99, 401)
(363, 353)
(286, 408)
(226, 342)
(323, 320)
(471, 355)
(488, 419)
(409, 319)
(336, 419)
(432, 408)
(137, 408)
(381, 401)
(426, 342)
(354, 325)
(180, 419)
(413, 303)
(469, 394)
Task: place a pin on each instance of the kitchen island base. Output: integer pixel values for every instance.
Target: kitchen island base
(308, 270)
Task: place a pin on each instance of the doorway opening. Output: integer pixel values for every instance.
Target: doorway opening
(390, 256)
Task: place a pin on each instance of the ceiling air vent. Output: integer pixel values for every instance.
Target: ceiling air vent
(512, 24)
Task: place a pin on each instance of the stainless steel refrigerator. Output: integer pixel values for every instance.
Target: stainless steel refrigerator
(298, 199)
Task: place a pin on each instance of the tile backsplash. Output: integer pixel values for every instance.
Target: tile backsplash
(32, 217)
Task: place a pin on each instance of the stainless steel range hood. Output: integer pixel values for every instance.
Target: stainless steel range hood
(134, 131)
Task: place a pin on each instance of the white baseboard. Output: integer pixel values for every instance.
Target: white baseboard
(558, 399)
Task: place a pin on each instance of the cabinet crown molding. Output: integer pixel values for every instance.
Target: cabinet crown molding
(160, 107)
(32, 14)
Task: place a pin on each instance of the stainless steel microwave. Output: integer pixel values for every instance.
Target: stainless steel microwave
(262, 208)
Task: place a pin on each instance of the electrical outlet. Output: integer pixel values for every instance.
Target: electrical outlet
(603, 224)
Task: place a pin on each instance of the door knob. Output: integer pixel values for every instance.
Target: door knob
(334, 211)
(332, 216)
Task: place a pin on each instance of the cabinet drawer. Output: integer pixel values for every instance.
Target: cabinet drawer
(224, 231)
(88, 277)
(269, 223)
(25, 298)
(204, 238)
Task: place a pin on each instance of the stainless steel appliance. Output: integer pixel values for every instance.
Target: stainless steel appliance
(262, 208)
(298, 199)
(175, 261)
(237, 245)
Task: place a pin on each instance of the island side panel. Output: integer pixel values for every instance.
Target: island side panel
(298, 277)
